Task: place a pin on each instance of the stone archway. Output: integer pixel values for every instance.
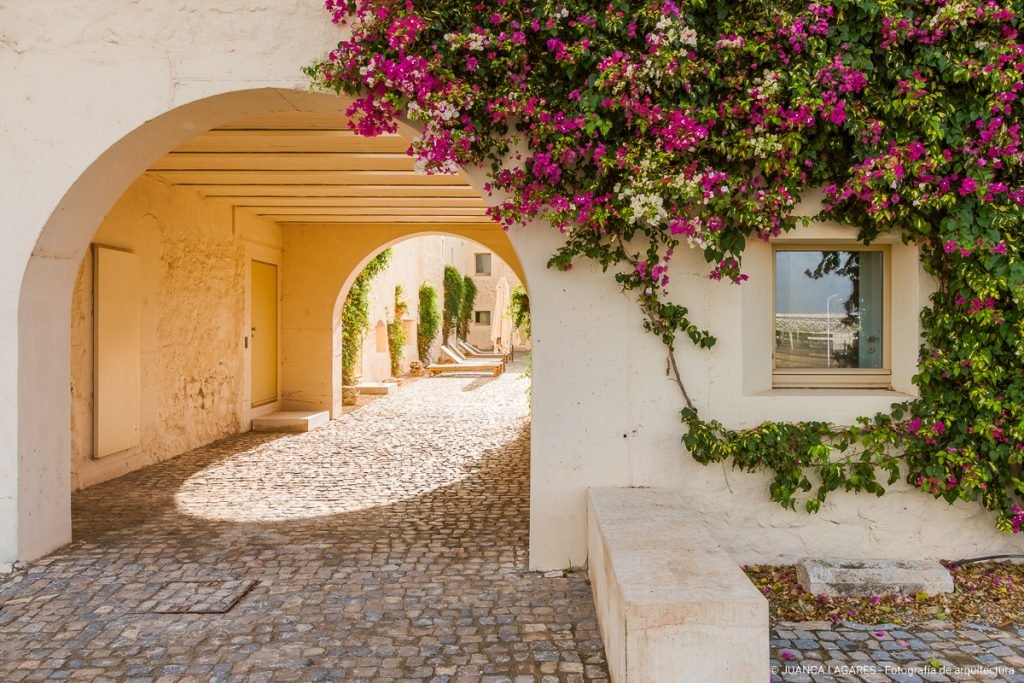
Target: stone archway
(485, 237)
(324, 261)
(40, 519)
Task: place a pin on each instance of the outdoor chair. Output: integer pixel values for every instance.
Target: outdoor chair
(471, 352)
(450, 355)
(450, 361)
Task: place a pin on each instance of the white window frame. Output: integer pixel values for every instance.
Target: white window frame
(490, 263)
(836, 378)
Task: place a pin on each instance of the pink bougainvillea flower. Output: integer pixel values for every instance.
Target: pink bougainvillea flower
(659, 134)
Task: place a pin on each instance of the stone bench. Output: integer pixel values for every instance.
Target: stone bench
(671, 604)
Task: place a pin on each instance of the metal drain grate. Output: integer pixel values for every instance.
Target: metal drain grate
(196, 597)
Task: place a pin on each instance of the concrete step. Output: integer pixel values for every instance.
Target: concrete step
(290, 421)
(382, 388)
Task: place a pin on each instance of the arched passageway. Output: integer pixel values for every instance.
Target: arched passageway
(412, 271)
(423, 255)
(350, 542)
(276, 180)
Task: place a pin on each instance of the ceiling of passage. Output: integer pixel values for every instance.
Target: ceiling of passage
(299, 167)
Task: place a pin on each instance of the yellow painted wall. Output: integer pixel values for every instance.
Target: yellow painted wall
(193, 258)
(320, 261)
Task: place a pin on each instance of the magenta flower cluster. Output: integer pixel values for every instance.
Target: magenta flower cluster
(638, 128)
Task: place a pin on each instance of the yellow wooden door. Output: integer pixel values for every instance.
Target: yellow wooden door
(264, 333)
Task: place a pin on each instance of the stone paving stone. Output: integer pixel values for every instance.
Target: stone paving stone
(864, 653)
(388, 545)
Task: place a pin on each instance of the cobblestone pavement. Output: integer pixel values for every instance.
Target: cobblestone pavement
(820, 652)
(390, 545)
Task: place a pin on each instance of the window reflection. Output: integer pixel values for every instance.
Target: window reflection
(828, 309)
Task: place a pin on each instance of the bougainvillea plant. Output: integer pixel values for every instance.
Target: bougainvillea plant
(636, 128)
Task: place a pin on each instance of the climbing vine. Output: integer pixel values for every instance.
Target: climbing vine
(519, 309)
(452, 306)
(355, 316)
(429, 323)
(466, 311)
(396, 333)
(639, 127)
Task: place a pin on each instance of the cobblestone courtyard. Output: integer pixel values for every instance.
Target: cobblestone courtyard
(389, 545)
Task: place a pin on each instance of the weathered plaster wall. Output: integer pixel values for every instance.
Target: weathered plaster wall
(413, 262)
(193, 259)
(480, 334)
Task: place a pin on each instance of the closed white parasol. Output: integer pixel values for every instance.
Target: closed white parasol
(501, 318)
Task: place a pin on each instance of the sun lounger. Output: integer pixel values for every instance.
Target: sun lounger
(440, 368)
(450, 354)
(450, 361)
(471, 352)
(477, 352)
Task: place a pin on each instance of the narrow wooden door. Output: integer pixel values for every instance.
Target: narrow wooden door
(264, 333)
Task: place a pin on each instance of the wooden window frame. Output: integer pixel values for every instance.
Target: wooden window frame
(837, 378)
(490, 263)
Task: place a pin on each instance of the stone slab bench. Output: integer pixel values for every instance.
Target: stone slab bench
(671, 604)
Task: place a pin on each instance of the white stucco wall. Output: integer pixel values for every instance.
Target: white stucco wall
(193, 258)
(413, 262)
(86, 89)
(605, 413)
(480, 334)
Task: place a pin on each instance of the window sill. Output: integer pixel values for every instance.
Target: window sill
(819, 392)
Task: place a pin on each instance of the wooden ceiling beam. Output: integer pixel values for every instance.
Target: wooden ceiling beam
(283, 161)
(368, 211)
(246, 177)
(254, 203)
(362, 219)
(267, 141)
(376, 191)
(291, 119)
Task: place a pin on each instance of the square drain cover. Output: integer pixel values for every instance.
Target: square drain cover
(196, 597)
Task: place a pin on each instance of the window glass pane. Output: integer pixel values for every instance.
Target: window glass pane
(483, 264)
(828, 309)
(483, 317)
